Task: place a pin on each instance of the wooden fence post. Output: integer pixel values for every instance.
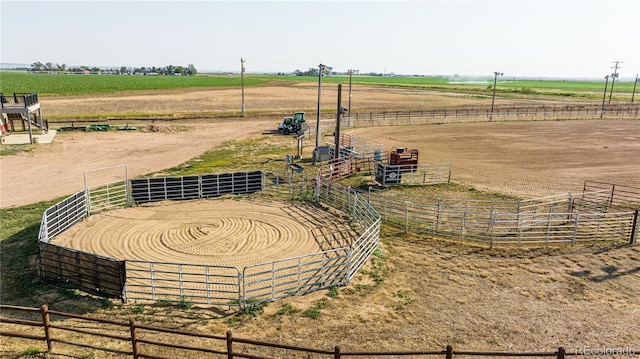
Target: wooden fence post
(406, 216)
(44, 309)
(634, 228)
(449, 354)
(336, 353)
(561, 353)
(135, 347)
(229, 344)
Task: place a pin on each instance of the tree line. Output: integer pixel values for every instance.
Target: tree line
(169, 70)
(313, 71)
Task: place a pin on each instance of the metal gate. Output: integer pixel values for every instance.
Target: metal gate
(106, 188)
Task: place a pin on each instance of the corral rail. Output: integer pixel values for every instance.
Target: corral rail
(129, 338)
(209, 284)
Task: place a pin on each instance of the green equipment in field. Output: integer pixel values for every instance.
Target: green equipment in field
(293, 124)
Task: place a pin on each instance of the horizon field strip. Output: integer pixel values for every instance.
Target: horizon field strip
(73, 85)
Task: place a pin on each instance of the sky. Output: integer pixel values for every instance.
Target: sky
(545, 39)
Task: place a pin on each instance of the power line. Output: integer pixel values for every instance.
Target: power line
(614, 75)
(242, 80)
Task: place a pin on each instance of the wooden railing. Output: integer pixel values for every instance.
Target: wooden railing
(142, 338)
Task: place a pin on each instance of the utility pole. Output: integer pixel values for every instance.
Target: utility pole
(242, 80)
(493, 98)
(336, 153)
(634, 88)
(604, 96)
(350, 72)
(321, 68)
(614, 75)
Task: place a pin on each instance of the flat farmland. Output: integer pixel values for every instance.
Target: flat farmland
(432, 292)
(527, 159)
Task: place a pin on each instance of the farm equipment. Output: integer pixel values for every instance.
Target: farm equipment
(100, 127)
(293, 124)
(403, 157)
(401, 161)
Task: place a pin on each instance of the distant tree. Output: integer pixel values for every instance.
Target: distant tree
(161, 70)
(191, 70)
(37, 66)
(311, 72)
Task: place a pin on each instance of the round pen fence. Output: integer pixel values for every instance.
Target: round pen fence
(602, 212)
(342, 254)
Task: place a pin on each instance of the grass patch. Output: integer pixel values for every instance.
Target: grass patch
(10, 150)
(333, 292)
(234, 155)
(402, 300)
(138, 309)
(315, 311)
(184, 303)
(18, 254)
(452, 190)
(287, 309)
(253, 308)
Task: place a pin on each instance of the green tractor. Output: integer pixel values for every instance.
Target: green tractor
(293, 124)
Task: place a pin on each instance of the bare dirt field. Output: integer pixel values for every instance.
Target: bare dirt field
(433, 293)
(515, 158)
(525, 159)
(531, 159)
(57, 169)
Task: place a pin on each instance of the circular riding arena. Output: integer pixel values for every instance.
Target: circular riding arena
(238, 231)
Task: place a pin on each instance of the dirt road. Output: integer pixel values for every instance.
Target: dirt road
(530, 159)
(57, 169)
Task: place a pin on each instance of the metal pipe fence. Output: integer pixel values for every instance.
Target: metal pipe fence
(619, 195)
(412, 175)
(214, 284)
(105, 195)
(553, 219)
(62, 215)
(175, 282)
(353, 203)
(544, 220)
(278, 279)
(477, 114)
(156, 189)
(537, 113)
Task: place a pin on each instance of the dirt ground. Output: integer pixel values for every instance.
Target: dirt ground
(223, 232)
(434, 293)
(528, 160)
(532, 159)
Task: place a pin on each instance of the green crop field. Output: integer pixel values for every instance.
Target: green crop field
(68, 85)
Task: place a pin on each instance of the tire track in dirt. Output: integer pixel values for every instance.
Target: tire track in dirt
(226, 232)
